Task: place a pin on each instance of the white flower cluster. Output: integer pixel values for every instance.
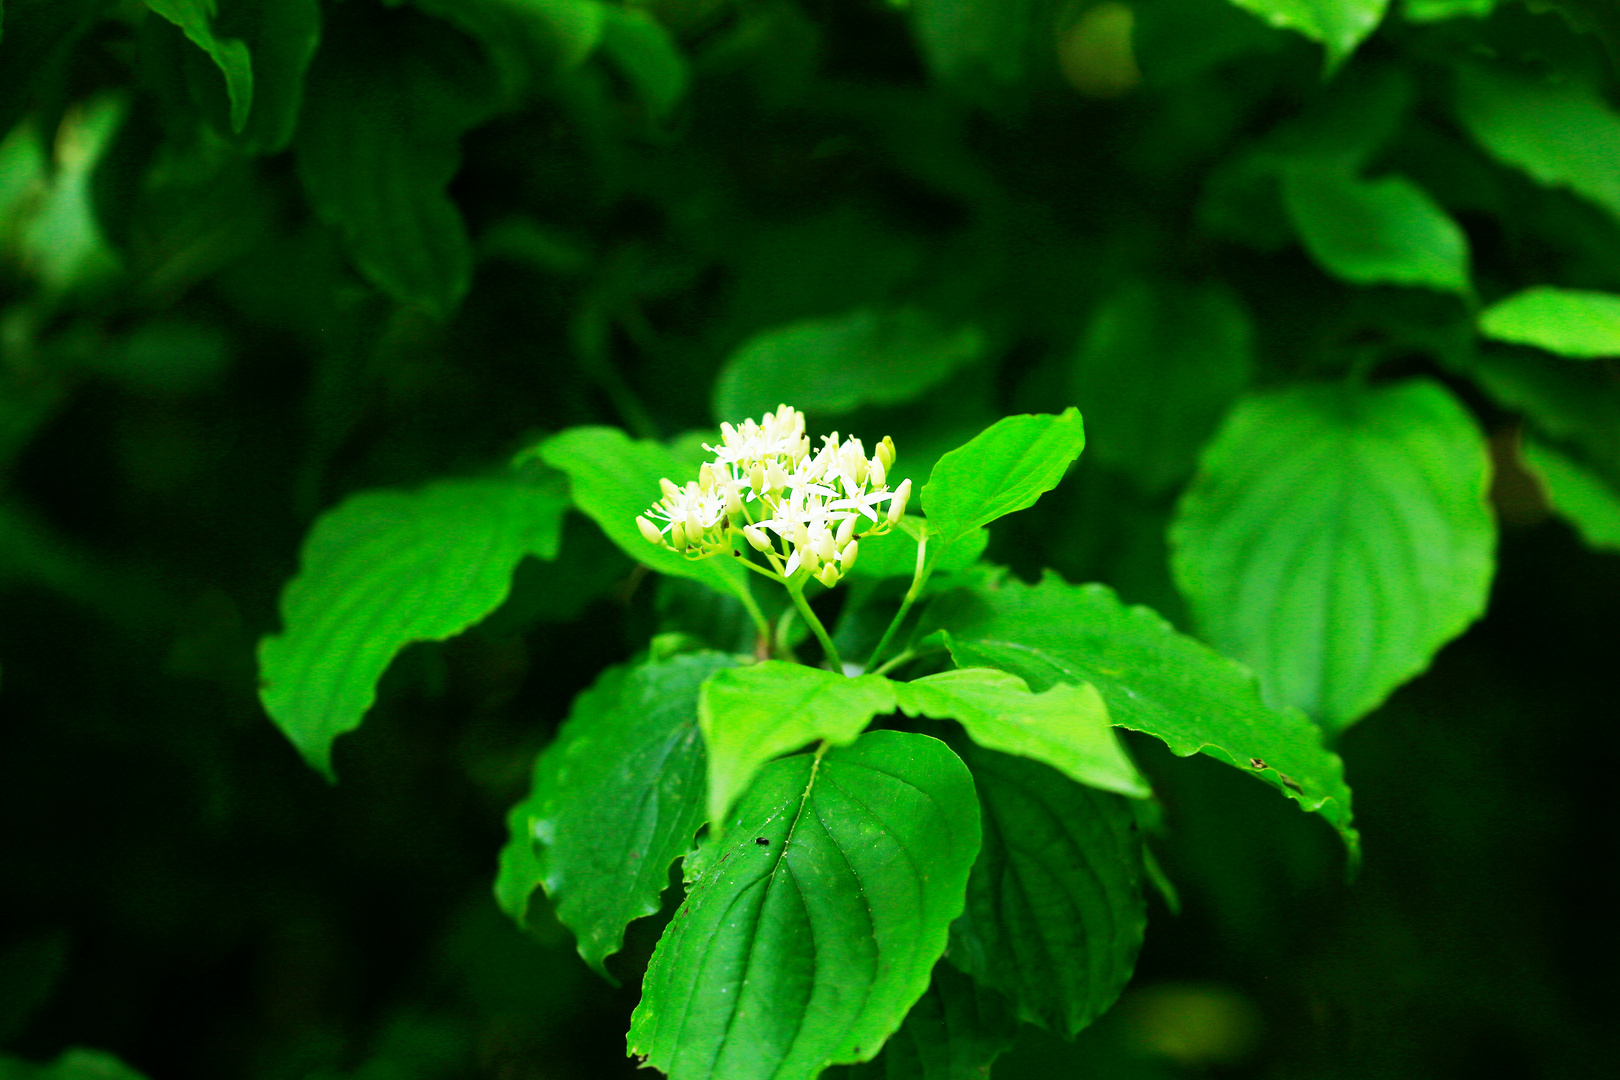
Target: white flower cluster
(805, 512)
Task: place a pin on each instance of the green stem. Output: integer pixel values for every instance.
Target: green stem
(918, 580)
(810, 620)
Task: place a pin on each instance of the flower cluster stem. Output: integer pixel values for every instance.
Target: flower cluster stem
(796, 591)
(918, 580)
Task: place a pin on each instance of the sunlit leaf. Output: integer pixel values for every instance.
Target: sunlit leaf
(384, 569)
(1152, 679)
(1384, 231)
(1157, 367)
(612, 478)
(831, 366)
(196, 19)
(814, 932)
(1335, 537)
(753, 714)
(1065, 726)
(643, 50)
(1003, 469)
(1563, 134)
(378, 145)
(1571, 322)
(954, 1032)
(1340, 25)
(1577, 494)
(1055, 913)
(1440, 10)
(616, 799)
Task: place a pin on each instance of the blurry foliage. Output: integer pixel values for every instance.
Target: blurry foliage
(260, 256)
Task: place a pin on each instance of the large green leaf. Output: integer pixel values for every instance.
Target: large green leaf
(1003, 469)
(1153, 680)
(1577, 493)
(1562, 133)
(1336, 537)
(616, 799)
(1055, 913)
(1340, 25)
(642, 49)
(1064, 726)
(612, 478)
(814, 931)
(1571, 322)
(1384, 231)
(829, 366)
(384, 569)
(1159, 364)
(894, 553)
(387, 103)
(282, 36)
(74, 1063)
(954, 1032)
(196, 19)
(984, 47)
(753, 714)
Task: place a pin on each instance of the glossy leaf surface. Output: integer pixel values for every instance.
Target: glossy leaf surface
(612, 478)
(1064, 726)
(1153, 680)
(1055, 914)
(814, 932)
(1003, 469)
(1572, 322)
(1336, 537)
(384, 569)
(616, 799)
(829, 366)
(1383, 231)
(753, 714)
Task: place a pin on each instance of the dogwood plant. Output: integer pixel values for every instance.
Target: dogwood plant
(905, 855)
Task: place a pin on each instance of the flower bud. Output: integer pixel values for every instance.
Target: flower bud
(823, 543)
(775, 478)
(694, 525)
(729, 434)
(897, 505)
(885, 453)
(756, 538)
(649, 531)
(801, 536)
(846, 558)
(706, 476)
(846, 532)
(756, 477)
(677, 537)
(668, 487)
(877, 472)
(733, 499)
(828, 575)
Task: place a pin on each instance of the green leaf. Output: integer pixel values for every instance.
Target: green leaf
(814, 932)
(894, 553)
(282, 36)
(1579, 495)
(954, 1032)
(1562, 134)
(196, 19)
(387, 103)
(1340, 25)
(1055, 913)
(753, 714)
(613, 478)
(642, 49)
(1384, 231)
(527, 38)
(831, 366)
(1065, 726)
(75, 1063)
(1003, 469)
(384, 569)
(1336, 537)
(1571, 322)
(984, 47)
(1159, 364)
(1152, 679)
(1423, 11)
(616, 799)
